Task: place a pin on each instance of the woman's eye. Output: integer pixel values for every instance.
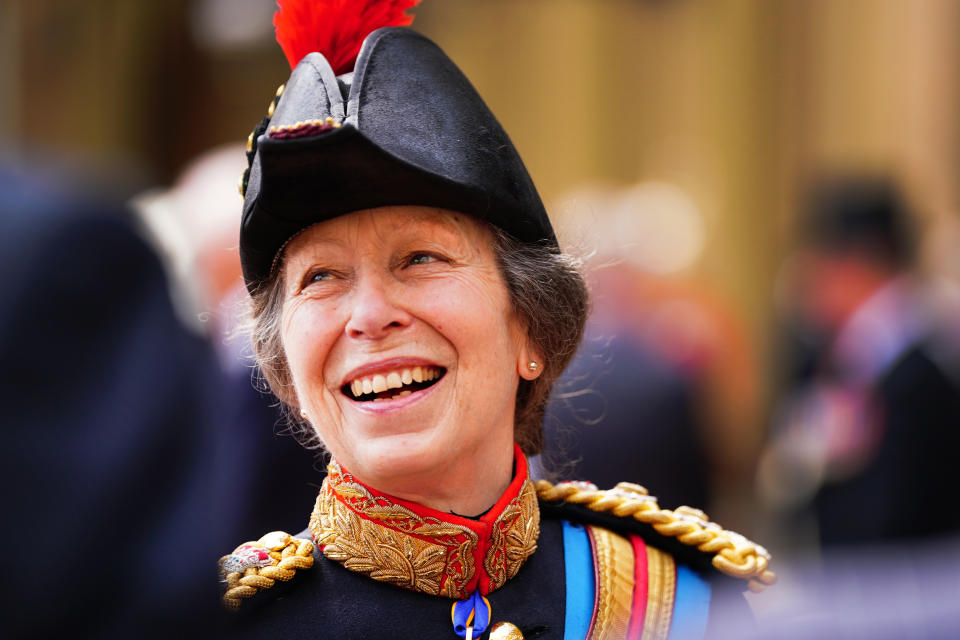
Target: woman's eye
(319, 276)
(320, 281)
(421, 258)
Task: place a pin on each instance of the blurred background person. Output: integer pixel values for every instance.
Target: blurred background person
(195, 228)
(664, 390)
(867, 434)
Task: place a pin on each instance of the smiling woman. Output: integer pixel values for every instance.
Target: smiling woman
(411, 305)
(547, 298)
(375, 296)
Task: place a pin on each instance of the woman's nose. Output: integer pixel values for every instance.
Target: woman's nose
(375, 311)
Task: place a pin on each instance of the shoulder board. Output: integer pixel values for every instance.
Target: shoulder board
(256, 566)
(685, 532)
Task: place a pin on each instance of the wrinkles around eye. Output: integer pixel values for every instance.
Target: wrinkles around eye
(316, 277)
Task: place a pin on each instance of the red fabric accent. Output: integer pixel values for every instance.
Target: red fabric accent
(335, 28)
(489, 519)
(482, 527)
(640, 588)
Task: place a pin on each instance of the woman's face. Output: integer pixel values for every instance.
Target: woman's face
(401, 341)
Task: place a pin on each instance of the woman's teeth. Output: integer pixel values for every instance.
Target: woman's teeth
(399, 379)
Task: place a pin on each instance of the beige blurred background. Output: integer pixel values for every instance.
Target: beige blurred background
(733, 102)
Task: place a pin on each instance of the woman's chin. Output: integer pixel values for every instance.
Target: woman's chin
(385, 458)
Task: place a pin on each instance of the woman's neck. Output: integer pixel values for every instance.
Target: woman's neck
(467, 485)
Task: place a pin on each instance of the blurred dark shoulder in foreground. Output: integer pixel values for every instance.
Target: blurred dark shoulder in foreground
(106, 422)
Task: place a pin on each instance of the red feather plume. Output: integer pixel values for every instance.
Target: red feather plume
(335, 28)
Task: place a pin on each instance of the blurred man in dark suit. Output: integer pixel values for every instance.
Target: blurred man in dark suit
(872, 436)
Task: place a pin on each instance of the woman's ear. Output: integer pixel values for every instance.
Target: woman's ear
(529, 362)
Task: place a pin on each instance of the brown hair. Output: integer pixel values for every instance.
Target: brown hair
(548, 294)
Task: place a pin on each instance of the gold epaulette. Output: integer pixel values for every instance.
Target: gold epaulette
(732, 554)
(255, 566)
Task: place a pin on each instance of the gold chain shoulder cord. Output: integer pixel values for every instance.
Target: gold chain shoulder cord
(255, 566)
(733, 554)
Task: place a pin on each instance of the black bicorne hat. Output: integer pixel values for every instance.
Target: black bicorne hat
(406, 127)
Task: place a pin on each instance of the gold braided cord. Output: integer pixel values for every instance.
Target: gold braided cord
(287, 555)
(732, 553)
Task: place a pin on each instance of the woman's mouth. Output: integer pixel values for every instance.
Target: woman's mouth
(388, 385)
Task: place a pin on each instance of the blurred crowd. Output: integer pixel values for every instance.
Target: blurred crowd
(847, 469)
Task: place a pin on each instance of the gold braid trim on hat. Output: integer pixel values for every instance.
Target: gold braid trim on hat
(252, 141)
(256, 566)
(733, 554)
